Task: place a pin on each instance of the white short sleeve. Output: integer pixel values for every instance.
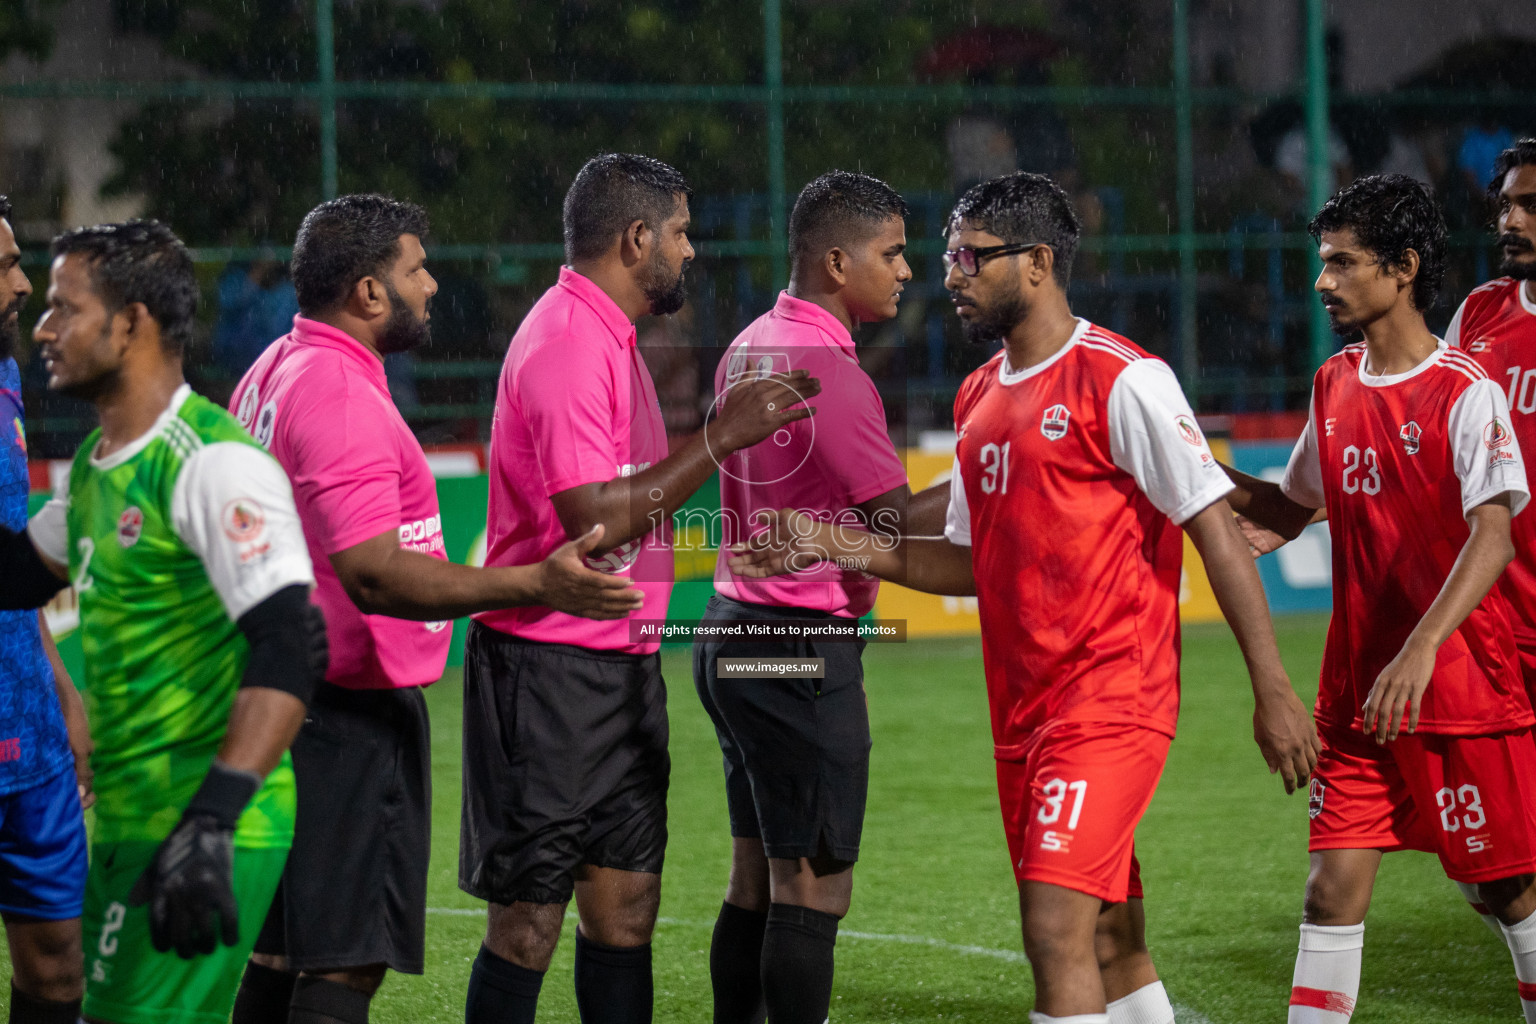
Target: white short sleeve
(1487, 453)
(49, 528)
(1453, 332)
(233, 507)
(957, 518)
(1153, 437)
(1303, 480)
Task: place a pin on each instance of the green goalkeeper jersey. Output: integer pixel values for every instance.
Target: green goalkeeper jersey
(168, 542)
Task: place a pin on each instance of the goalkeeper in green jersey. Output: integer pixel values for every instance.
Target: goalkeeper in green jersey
(180, 538)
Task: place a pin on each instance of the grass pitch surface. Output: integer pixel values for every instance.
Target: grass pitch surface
(934, 934)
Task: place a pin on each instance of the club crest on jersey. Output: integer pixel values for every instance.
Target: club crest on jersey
(1315, 791)
(130, 526)
(1188, 430)
(1410, 433)
(1496, 434)
(243, 520)
(1054, 423)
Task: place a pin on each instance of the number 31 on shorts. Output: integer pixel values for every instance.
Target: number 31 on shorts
(1054, 798)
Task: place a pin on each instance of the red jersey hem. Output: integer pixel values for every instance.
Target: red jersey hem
(1020, 751)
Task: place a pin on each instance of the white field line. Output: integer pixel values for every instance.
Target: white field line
(1185, 1014)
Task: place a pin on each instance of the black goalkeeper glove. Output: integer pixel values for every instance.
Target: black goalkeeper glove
(189, 886)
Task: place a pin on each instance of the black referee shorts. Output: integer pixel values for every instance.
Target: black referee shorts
(796, 750)
(565, 764)
(354, 891)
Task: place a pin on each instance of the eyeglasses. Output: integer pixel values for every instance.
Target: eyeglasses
(970, 259)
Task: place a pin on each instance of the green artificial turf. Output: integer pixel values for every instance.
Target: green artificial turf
(933, 934)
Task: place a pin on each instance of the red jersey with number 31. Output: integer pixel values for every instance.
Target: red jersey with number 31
(1496, 325)
(1071, 479)
(1399, 461)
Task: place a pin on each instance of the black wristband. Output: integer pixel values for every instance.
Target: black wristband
(224, 793)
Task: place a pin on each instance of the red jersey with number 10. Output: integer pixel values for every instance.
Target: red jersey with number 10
(1496, 325)
(1400, 461)
(1071, 478)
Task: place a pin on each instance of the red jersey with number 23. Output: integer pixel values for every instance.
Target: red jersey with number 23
(1071, 480)
(1496, 325)
(1400, 461)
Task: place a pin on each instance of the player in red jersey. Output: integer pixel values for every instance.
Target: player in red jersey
(1078, 460)
(1425, 723)
(1496, 326)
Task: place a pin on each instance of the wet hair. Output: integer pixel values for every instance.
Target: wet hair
(610, 193)
(1521, 154)
(838, 210)
(139, 261)
(1390, 214)
(5, 207)
(345, 240)
(1020, 208)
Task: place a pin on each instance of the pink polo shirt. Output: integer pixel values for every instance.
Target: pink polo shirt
(836, 459)
(575, 405)
(317, 399)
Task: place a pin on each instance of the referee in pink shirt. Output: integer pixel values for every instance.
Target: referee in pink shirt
(796, 749)
(565, 720)
(354, 894)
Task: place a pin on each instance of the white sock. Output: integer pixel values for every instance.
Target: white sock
(1480, 908)
(1147, 1005)
(1522, 945)
(1327, 977)
(1076, 1018)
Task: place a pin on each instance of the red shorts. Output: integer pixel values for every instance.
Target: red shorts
(1070, 808)
(1465, 798)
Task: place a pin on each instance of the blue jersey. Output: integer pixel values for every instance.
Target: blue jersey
(33, 744)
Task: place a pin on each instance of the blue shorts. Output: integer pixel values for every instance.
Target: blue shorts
(43, 850)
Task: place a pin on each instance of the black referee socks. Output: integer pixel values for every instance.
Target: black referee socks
(613, 985)
(736, 965)
(319, 1001)
(501, 992)
(27, 1009)
(264, 996)
(797, 964)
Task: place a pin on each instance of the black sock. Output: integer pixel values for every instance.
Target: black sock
(736, 965)
(264, 995)
(613, 985)
(320, 1001)
(797, 964)
(501, 992)
(27, 1009)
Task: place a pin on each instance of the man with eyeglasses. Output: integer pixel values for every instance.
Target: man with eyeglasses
(1077, 461)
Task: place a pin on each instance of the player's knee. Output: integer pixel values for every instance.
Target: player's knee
(1050, 940)
(1329, 900)
(50, 971)
(1115, 942)
(623, 923)
(525, 933)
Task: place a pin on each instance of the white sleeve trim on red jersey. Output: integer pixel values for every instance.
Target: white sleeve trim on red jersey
(233, 506)
(1303, 480)
(957, 518)
(1487, 457)
(1153, 437)
(1453, 329)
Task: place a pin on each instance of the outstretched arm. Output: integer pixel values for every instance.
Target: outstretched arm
(1401, 685)
(1281, 724)
(382, 578)
(794, 542)
(1266, 505)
